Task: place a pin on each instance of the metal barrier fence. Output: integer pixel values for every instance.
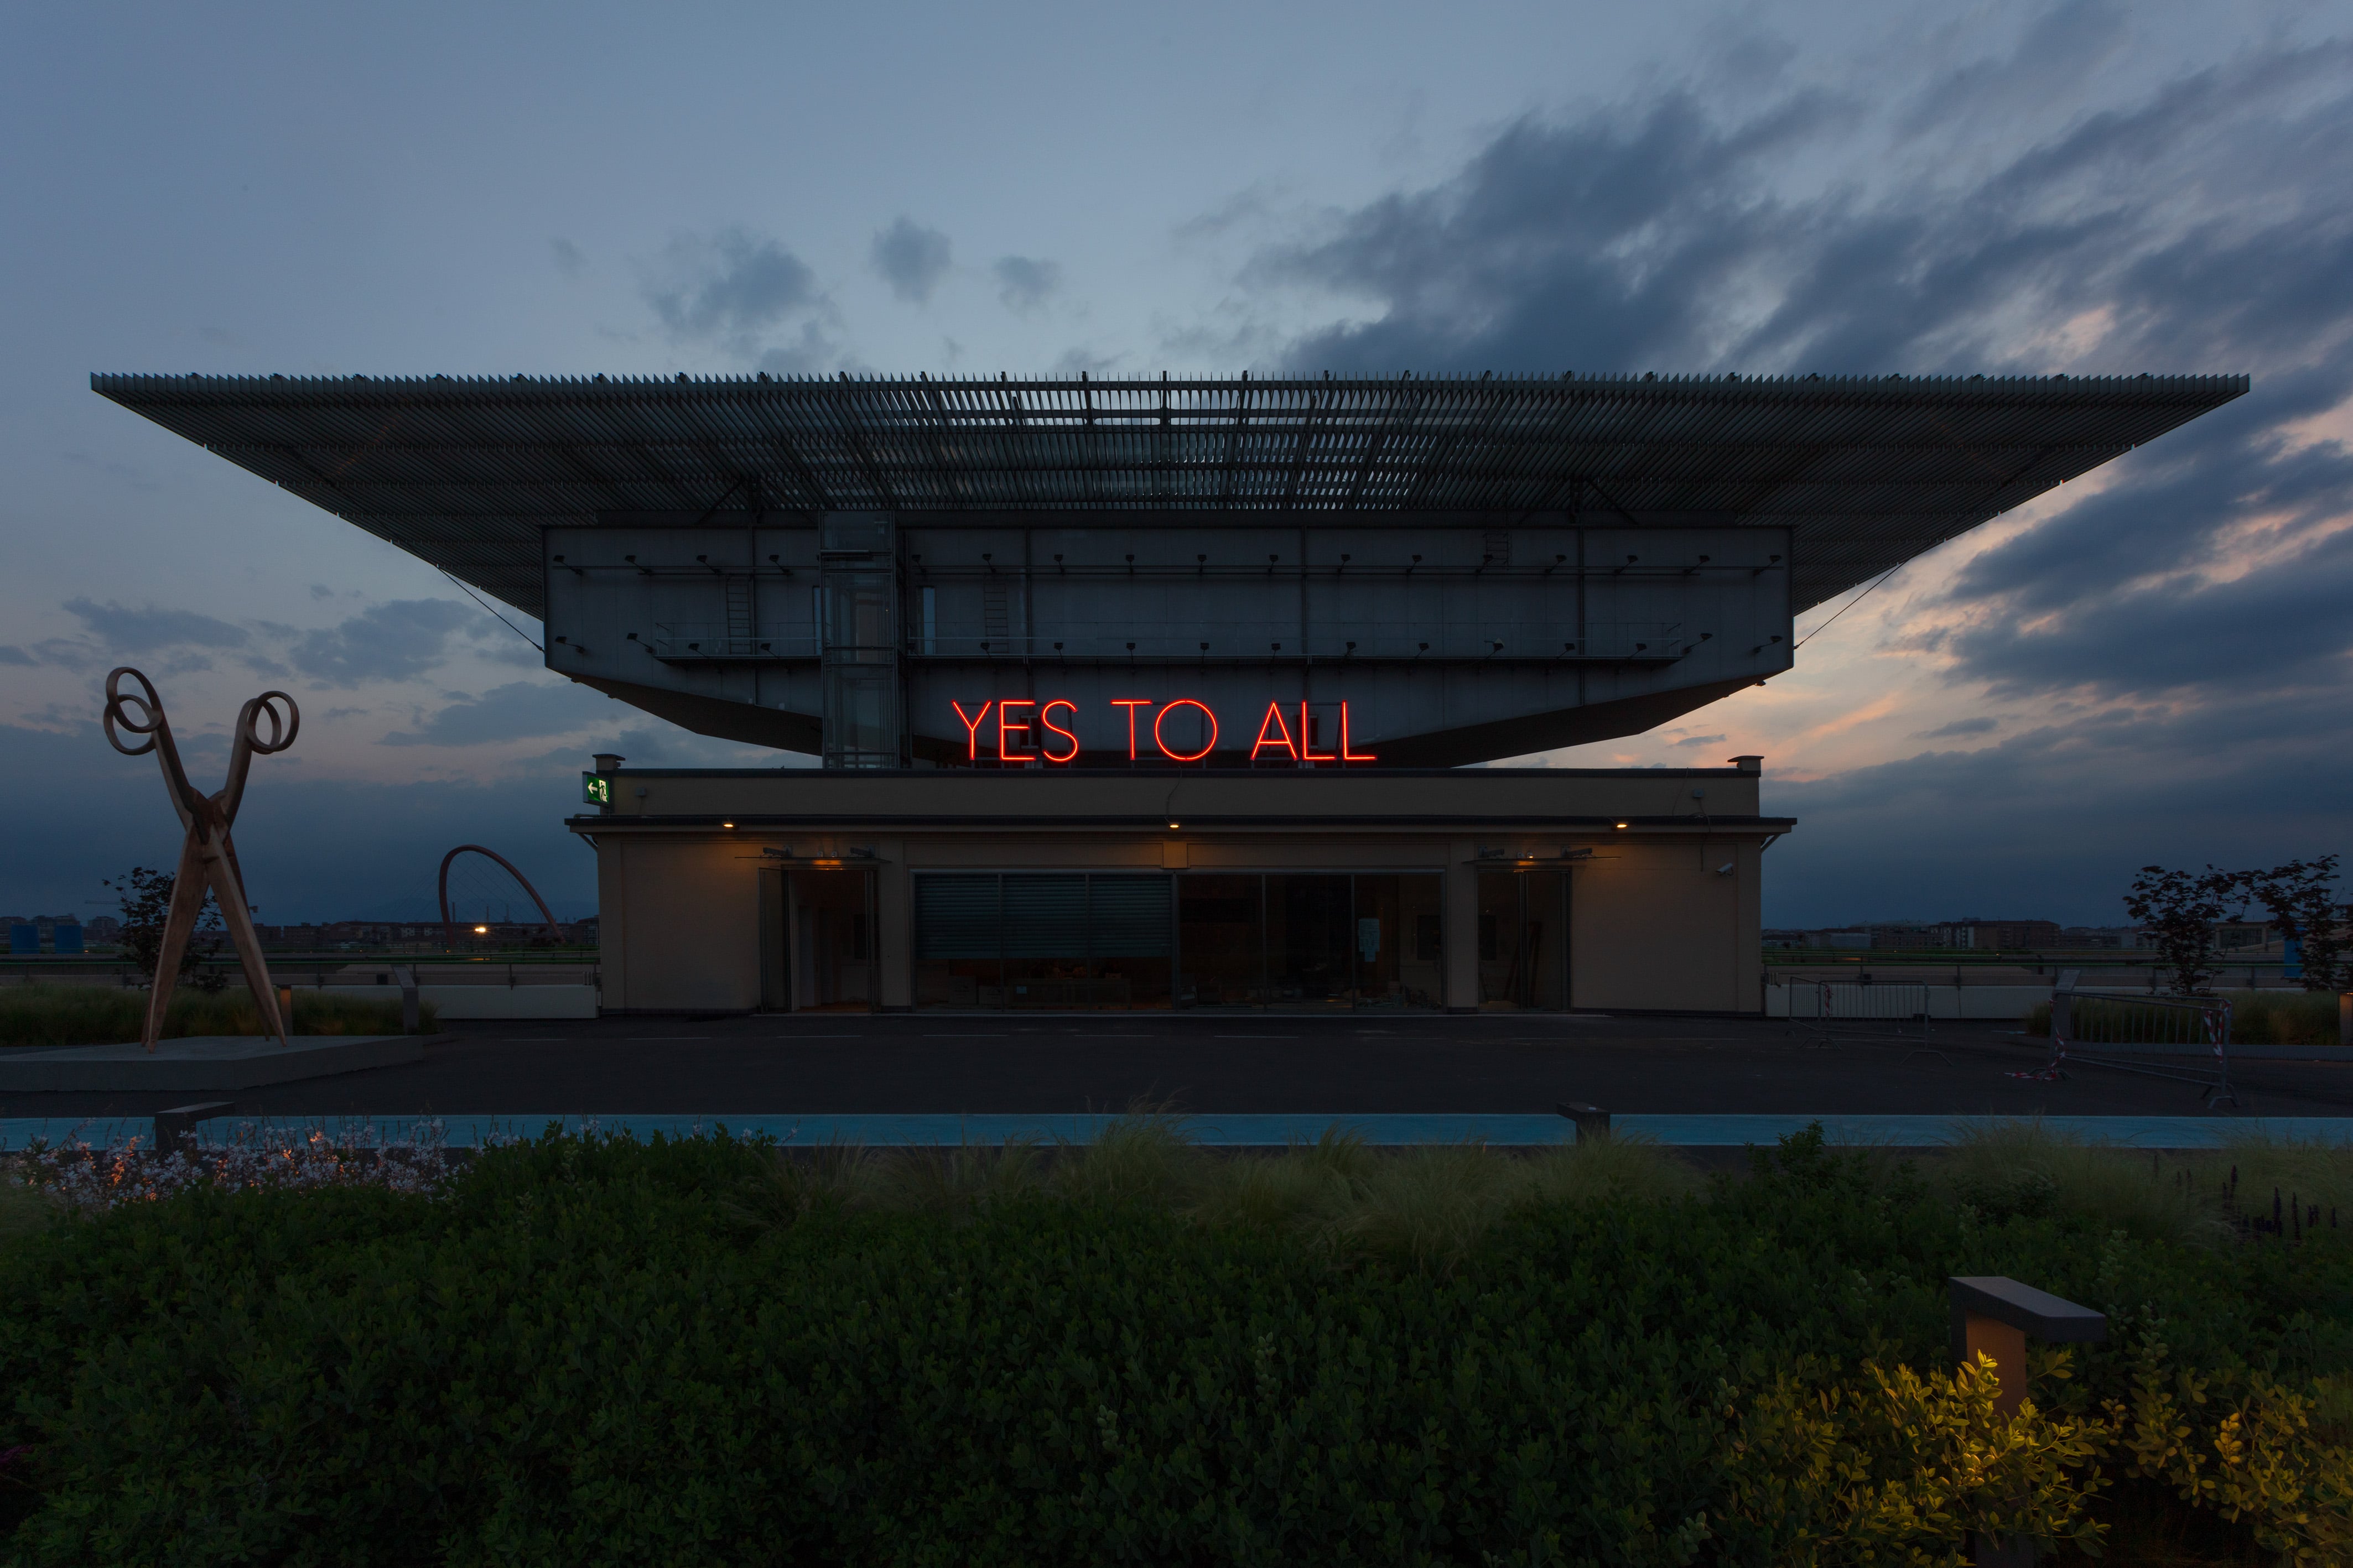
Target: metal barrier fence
(1862, 1012)
(2185, 1038)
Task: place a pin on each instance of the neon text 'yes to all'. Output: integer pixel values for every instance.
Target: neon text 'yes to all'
(1022, 722)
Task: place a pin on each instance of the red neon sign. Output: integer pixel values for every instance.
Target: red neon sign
(1162, 717)
(1046, 718)
(1015, 736)
(1279, 740)
(1005, 706)
(1131, 704)
(972, 729)
(1307, 736)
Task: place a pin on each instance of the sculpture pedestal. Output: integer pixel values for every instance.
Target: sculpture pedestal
(204, 1062)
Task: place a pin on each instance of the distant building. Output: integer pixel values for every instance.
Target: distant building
(1839, 939)
(1998, 935)
(2125, 936)
(1903, 936)
(421, 936)
(2235, 936)
(29, 934)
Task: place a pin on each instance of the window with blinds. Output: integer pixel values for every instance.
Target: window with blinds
(1128, 917)
(1046, 916)
(958, 917)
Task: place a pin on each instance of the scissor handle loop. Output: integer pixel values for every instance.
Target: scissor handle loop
(281, 730)
(119, 704)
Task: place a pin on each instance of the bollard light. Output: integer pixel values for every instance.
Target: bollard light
(1991, 1316)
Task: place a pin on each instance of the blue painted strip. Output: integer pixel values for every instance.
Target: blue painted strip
(1255, 1130)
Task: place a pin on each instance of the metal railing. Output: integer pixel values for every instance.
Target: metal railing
(2185, 1038)
(1836, 1001)
(1263, 642)
(696, 642)
(1215, 642)
(1851, 1012)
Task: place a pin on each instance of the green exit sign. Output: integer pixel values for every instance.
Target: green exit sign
(596, 789)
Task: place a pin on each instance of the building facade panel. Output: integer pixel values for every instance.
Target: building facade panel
(1467, 890)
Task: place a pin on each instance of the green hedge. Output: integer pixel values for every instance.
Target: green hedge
(609, 1352)
(53, 1015)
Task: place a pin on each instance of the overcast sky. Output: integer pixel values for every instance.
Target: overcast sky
(2149, 664)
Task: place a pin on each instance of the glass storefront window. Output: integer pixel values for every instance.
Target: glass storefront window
(1281, 940)
(1042, 940)
(1397, 947)
(1221, 939)
(1308, 940)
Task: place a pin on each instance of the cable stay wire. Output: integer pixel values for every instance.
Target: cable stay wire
(493, 609)
(1849, 605)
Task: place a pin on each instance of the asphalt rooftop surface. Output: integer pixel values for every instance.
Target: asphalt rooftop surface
(1345, 1065)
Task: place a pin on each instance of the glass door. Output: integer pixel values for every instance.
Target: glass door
(833, 942)
(1524, 941)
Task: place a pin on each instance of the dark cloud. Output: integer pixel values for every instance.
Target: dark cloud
(2205, 226)
(2051, 823)
(1958, 728)
(2184, 620)
(910, 258)
(669, 747)
(1701, 740)
(570, 260)
(397, 640)
(104, 814)
(121, 630)
(1662, 234)
(1025, 282)
(10, 655)
(2217, 557)
(664, 746)
(1596, 245)
(2288, 622)
(733, 286)
(1079, 359)
(517, 711)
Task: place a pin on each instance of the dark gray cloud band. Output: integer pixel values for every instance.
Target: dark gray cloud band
(2183, 622)
(912, 259)
(2205, 226)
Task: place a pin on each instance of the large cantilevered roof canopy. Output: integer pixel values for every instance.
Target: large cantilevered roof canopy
(1867, 472)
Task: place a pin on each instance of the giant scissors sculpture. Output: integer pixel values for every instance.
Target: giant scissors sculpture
(207, 860)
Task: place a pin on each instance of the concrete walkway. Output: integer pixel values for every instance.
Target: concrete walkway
(1317, 1066)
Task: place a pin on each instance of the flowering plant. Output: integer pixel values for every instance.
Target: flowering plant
(86, 1176)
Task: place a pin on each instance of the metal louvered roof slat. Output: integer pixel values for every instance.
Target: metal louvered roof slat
(1867, 472)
